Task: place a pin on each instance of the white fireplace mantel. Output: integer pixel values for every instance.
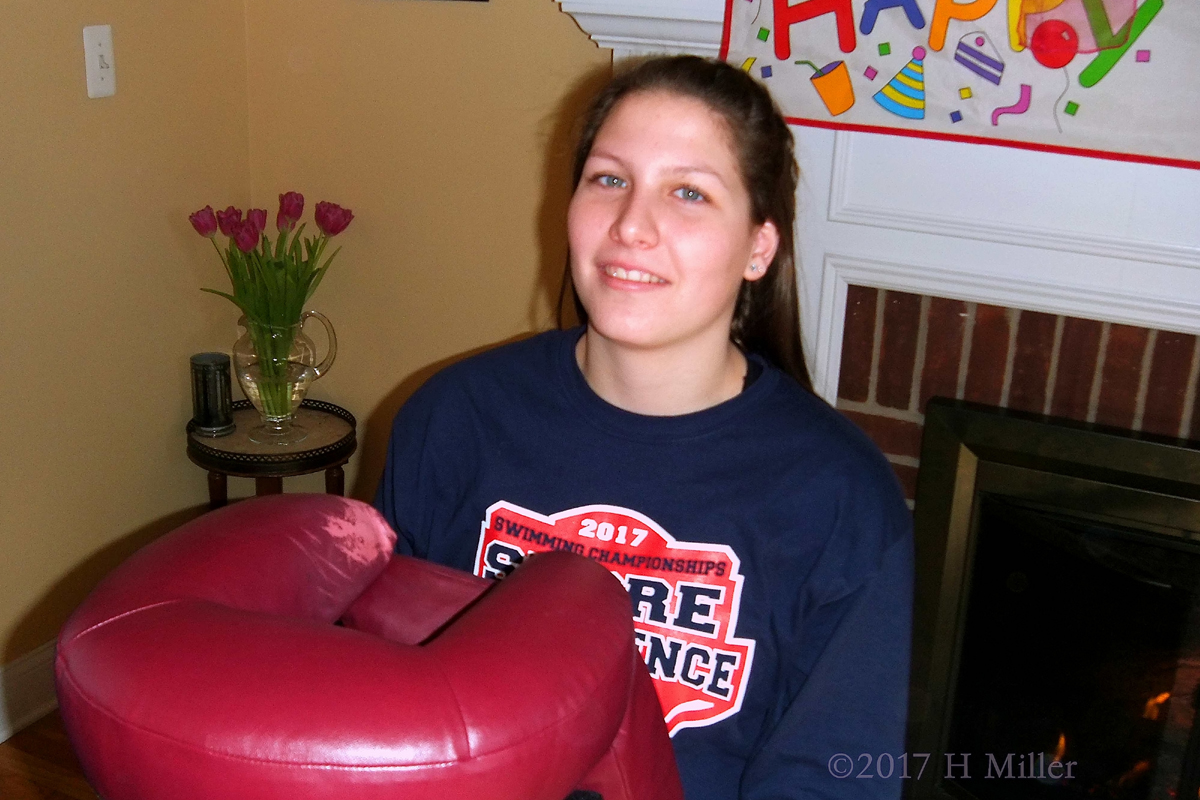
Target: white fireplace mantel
(652, 27)
(1085, 237)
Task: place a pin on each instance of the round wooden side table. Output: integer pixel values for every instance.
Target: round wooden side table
(330, 443)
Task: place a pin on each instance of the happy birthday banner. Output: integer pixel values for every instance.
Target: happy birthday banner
(1111, 78)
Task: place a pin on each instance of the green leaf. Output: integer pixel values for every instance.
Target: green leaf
(226, 295)
(317, 276)
(330, 259)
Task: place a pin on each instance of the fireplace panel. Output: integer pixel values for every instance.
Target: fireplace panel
(1080, 645)
(1058, 608)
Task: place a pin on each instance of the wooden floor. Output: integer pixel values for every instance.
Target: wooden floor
(39, 764)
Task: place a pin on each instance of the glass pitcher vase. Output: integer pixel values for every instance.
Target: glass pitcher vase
(275, 365)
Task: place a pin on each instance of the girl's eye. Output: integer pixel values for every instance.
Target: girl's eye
(609, 181)
(689, 194)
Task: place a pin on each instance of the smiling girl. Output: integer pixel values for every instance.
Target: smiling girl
(674, 437)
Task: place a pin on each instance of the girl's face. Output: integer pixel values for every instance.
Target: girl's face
(659, 226)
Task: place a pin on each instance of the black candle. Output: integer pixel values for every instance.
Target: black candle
(212, 401)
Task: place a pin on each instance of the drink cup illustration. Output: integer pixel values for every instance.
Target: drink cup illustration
(832, 83)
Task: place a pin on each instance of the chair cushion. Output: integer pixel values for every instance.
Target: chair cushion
(207, 666)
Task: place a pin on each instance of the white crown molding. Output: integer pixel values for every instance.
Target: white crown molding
(27, 690)
(649, 28)
(839, 272)
(842, 208)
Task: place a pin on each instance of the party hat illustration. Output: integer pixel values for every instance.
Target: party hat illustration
(904, 94)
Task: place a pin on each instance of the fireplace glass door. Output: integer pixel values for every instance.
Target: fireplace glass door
(1057, 625)
(1081, 647)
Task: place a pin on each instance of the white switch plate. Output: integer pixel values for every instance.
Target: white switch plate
(98, 56)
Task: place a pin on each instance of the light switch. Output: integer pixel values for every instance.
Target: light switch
(98, 56)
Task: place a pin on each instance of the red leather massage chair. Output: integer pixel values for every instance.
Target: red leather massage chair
(210, 665)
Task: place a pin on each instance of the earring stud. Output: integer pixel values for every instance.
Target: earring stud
(755, 268)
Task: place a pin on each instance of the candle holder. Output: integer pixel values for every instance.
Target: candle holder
(212, 399)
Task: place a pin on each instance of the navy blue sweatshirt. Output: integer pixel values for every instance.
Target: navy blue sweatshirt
(764, 543)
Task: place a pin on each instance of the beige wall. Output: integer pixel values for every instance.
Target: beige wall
(99, 305)
(442, 124)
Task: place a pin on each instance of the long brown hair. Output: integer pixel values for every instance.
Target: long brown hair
(766, 318)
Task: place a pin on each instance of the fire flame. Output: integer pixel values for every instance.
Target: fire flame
(1154, 705)
(1138, 770)
(1060, 749)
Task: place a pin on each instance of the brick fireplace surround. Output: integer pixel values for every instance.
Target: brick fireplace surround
(900, 349)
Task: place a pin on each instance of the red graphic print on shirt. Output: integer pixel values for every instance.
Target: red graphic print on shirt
(685, 598)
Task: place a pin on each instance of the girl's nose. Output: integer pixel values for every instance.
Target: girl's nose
(635, 225)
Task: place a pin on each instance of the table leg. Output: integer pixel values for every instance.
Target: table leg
(264, 486)
(335, 481)
(218, 490)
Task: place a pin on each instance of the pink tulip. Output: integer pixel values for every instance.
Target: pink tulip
(258, 218)
(246, 235)
(331, 218)
(291, 206)
(205, 222)
(230, 220)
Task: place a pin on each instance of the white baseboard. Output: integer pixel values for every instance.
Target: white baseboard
(27, 690)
